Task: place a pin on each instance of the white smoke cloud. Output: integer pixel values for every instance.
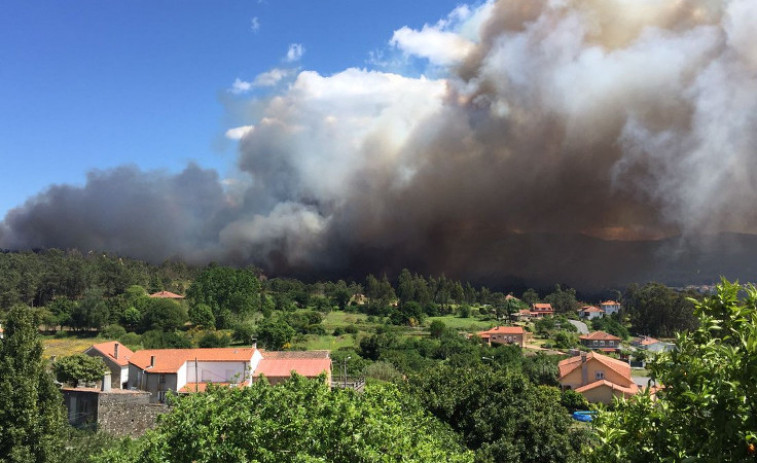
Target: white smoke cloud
(295, 52)
(238, 132)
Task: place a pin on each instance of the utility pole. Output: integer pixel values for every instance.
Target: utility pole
(345, 370)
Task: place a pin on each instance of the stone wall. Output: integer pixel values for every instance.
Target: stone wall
(127, 414)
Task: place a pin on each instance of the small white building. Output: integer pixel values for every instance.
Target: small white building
(610, 307)
(590, 312)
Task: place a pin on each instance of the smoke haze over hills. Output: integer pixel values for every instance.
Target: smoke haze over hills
(552, 141)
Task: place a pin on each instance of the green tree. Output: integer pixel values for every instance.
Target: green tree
(202, 315)
(79, 367)
(164, 314)
(563, 300)
(31, 408)
(705, 410)
(298, 421)
(226, 291)
(275, 334)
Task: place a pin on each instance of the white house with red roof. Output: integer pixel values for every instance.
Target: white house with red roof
(590, 312)
(597, 377)
(116, 357)
(504, 335)
(192, 370)
(610, 307)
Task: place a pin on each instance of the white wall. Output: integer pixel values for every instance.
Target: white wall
(124, 374)
(181, 377)
(217, 372)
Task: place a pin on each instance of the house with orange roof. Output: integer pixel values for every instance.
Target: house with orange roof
(192, 370)
(116, 357)
(597, 377)
(610, 307)
(166, 295)
(504, 335)
(161, 370)
(541, 310)
(599, 340)
(590, 312)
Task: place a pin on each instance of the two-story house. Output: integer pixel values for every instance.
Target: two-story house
(599, 340)
(610, 307)
(541, 310)
(597, 377)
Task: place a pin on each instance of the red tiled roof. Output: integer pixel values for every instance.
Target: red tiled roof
(97, 389)
(295, 354)
(283, 367)
(599, 336)
(540, 306)
(167, 295)
(170, 360)
(609, 303)
(502, 330)
(630, 390)
(591, 308)
(645, 341)
(108, 349)
(622, 368)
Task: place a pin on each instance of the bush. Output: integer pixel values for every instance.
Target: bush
(573, 401)
(383, 371)
(114, 331)
(130, 340)
(79, 367)
(214, 339)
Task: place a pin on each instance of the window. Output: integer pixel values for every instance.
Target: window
(611, 343)
(162, 379)
(602, 343)
(599, 375)
(596, 343)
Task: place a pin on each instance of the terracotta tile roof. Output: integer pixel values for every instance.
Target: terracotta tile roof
(502, 330)
(283, 367)
(540, 306)
(630, 390)
(591, 308)
(644, 341)
(295, 354)
(170, 360)
(108, 349)
(610, 302)
(622, 368)
(167, 295)
(599, 336)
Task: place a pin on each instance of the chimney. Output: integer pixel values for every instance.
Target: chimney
(254, 343)
(115, 350)
(106, 382)
(152, 361)
(584, 370)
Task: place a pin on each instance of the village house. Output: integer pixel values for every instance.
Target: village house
(651, 344)
(597, 377)
(590, 312)
(277, 366)
(610, 307)
(116, 357)
(161, 370)
(541, 310)
(599, 340)
(504, 335)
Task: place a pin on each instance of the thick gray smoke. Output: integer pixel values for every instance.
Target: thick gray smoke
(553, 121)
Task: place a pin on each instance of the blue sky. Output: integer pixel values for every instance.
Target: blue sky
(93, 85)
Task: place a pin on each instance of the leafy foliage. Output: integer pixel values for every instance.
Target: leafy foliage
(31, 407)
(705, 410)
(79, 367)
(298, 421)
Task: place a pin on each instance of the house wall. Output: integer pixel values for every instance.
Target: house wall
(115, 369)
(81, 407)
(507, 339)
(217, 372)
(574, 378)
(596, 343)
(591, 315)
(602, 394)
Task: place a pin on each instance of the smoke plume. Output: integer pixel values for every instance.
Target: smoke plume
(548, 128)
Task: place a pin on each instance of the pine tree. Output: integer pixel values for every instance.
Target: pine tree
(31, 408)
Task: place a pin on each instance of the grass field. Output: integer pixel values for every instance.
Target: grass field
(325, 342)
(464, 324)
(67, 346)
(335, 319)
